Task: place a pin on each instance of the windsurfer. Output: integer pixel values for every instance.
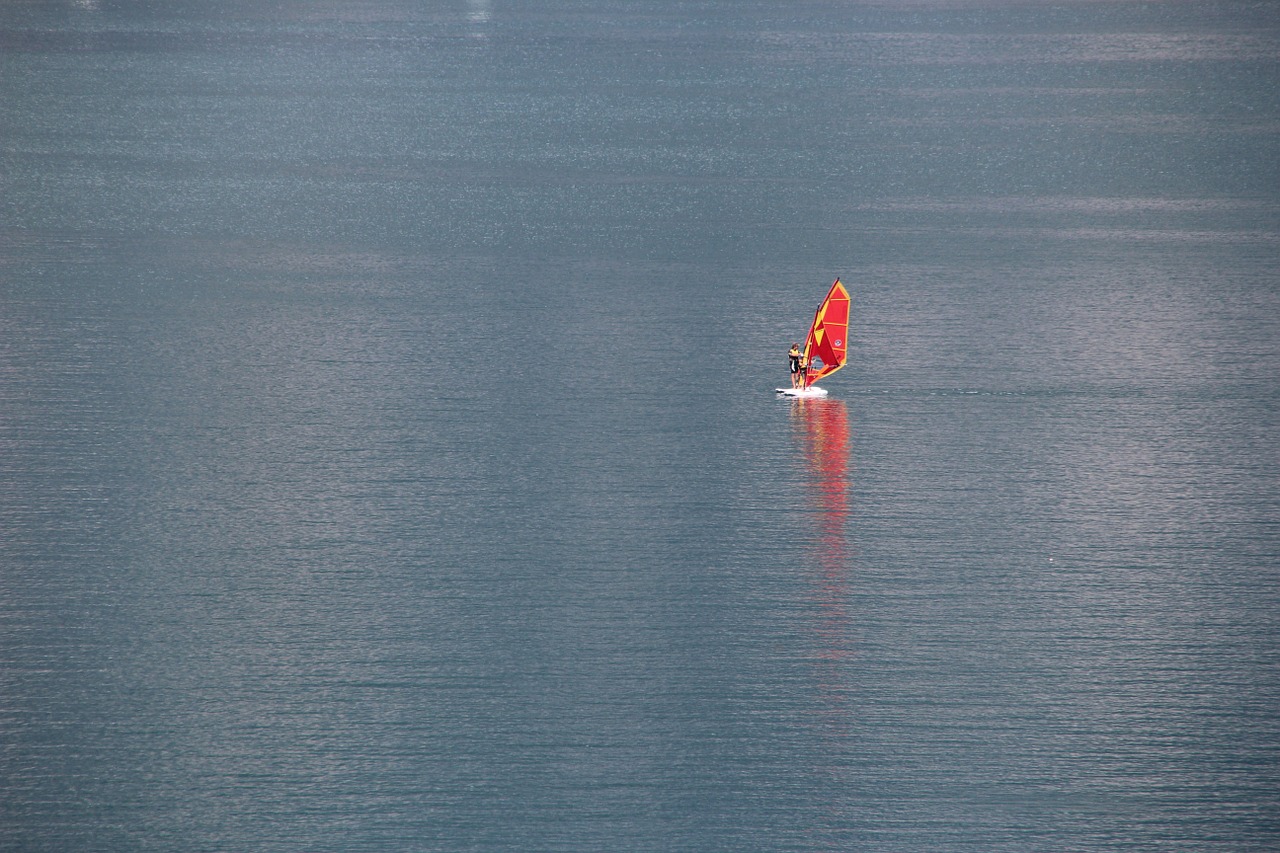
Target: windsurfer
(825, 348)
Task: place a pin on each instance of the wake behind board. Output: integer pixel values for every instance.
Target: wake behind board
(811, 391)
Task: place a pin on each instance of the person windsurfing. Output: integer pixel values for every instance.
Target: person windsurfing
(796, 357)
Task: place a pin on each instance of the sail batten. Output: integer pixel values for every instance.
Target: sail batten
(825, 347)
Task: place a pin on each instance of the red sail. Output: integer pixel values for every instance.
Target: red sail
(824, 349)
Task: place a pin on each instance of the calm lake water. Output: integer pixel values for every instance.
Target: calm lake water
(389, 458)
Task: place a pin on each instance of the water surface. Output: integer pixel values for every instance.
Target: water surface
(389, 458)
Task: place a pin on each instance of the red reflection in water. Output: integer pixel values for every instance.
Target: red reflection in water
(822, 429)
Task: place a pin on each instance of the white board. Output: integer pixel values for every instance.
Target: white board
(811, 391)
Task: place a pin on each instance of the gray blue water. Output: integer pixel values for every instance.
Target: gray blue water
(389, 459)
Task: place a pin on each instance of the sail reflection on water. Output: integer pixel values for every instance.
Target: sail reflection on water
(822, 426)
(836, 725)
